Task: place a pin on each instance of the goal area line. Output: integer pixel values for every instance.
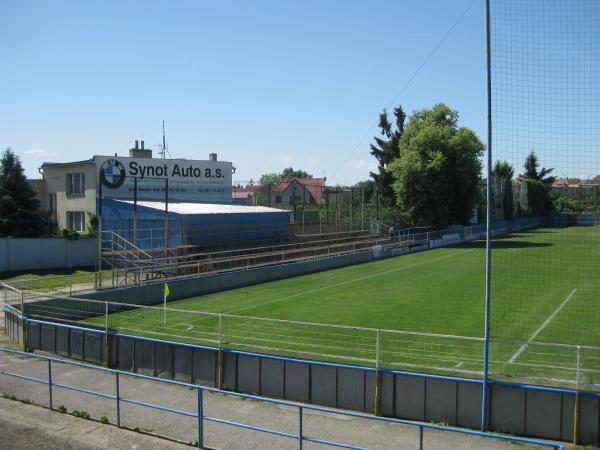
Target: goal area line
(535, 334)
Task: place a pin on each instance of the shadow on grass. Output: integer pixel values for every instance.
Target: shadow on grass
(505, 242)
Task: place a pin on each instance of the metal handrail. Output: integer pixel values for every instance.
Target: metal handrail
(11, 288)
(131, 244)
(267, 319)
(300, 436)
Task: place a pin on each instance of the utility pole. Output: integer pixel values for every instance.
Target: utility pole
(362, 207)
(377, 203)
(351, 205)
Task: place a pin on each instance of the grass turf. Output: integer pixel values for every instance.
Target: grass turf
(48, 279)
(544, 289)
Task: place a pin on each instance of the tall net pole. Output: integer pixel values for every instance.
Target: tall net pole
(544, 67)
(488, 233)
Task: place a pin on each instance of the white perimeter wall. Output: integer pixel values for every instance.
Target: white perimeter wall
(46, 253)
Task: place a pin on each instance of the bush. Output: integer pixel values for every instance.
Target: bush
(81, 414)
(69, 234)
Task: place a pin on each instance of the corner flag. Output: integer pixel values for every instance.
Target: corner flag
(166, 294)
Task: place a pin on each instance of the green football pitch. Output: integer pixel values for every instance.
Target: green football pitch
(544, 290)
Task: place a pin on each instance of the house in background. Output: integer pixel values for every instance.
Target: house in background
(299, 191)
(246, 195)
(289, 193)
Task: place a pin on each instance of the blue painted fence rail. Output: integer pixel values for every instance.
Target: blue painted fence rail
(202, 417)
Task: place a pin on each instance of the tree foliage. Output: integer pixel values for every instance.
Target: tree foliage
(502, 175)
(538, 183)
(438, 172)
(532, 173)
(20, 214)
(386, 149)
(566, 204)
(288, 172)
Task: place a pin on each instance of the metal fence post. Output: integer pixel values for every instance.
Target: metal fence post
(106, 316)
(377, 408)
(488, 232)
(300, 431)
(576, 408)
(220, 354)
(200, 419)
(23, 322)
(107, 346)
(50, 383)
(420, 438)
(71, 285)
(118, 399)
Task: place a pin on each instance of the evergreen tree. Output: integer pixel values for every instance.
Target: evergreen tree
(538, 186)
(386, 149)
(20, 214)
(502, 175)
(531, 170)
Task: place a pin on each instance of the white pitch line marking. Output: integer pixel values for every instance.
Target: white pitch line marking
(459, 365)
(522, 348)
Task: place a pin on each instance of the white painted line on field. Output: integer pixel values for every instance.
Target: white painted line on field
(522, 348)
(189, 328)
(459, 365)
(365, 277)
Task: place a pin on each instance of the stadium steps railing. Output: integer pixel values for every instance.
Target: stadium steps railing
(201, 412)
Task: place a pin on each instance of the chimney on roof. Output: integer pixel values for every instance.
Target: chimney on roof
(212, 156)
(138, 152)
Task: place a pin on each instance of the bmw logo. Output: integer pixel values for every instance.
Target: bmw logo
(112, 173)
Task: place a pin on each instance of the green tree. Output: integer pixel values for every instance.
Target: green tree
(502, 175)
(386, 149)
(538, 183)
(532, 173)
(276, 178)
(566, 204)
(437, 175)
(20, 214)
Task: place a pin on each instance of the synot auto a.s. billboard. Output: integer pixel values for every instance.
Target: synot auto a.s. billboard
(189, 181)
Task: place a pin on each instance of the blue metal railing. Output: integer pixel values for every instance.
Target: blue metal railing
(453, 378)
(201, 416)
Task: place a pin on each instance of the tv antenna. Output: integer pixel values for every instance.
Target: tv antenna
(163, 149)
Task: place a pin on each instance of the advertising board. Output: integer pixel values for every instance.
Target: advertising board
(188, 180)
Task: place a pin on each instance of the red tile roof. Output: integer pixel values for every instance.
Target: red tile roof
(315, 186)
(566, 182)
(245, 192)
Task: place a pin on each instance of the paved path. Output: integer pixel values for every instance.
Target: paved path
(30, 426)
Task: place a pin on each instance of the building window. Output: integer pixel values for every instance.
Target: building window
(52, 203)
(76, 183)
(278, 199)
(76, 220)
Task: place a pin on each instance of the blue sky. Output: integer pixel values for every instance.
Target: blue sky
(265, 84)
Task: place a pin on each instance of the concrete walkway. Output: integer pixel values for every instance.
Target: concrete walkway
(31, 427)
(26, 426)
